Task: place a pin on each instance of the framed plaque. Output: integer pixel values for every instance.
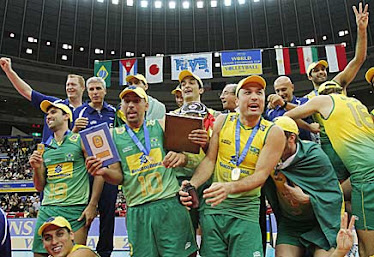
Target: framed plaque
(177, 128)
(98, 142)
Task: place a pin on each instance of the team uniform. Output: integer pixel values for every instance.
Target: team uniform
(315, 223)
(271, 114)
(351, 131)
(108, 196)
(232, 227)
(66, 192)
(157, 224)
(340, 169)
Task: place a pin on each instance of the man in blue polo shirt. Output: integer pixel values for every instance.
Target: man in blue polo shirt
(74, 92)
(284, 100)
(95, 112)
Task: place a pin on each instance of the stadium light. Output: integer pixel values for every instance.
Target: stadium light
(227, 3)
(216, 54)
(97, 51)
(112, 52)
(292, 44)
(11, 35)
(341, 33)
(324, 37)
(158, 4)
(217, 64)
(213, 3)
(81, 49)
(172, 5)
(130, 2)
(186, 5)
(48, 43)
(31, 39)
(115, 2)
(241, 2)
(144, 4)
(29, 51)
(143, 54)
(256, 1)
(200, 4)
(64, 57)
(100, 1)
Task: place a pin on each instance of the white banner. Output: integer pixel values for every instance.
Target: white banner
(154, 69)
(200, 64)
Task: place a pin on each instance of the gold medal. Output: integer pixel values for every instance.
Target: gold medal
(235, 174)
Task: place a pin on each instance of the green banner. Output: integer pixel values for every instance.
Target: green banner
(103, 70)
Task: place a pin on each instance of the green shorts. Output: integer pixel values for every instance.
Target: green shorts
(363, 205)
(160, 228)
(302, 234)
(340, 169)
(71, 213)
(225, 235)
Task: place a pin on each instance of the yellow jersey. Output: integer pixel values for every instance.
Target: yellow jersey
(350, 128)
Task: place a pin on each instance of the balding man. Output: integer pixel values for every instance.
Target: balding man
(228, 98)
(284, 100)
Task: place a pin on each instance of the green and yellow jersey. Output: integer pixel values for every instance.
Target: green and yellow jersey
(350, 128)
(243, 205)
(66, 175)
(144, 179)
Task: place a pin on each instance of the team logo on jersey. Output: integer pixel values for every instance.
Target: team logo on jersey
(233, 159)
(120, 130)
(154, 142)
(69, 157)
(262, 127)
(257, 254)
(127, 149)
(60, 170)
(151, 122)
(74, 137)
(139, 162)
(254, 150)
(233, 118)
(93, 122)
(225, 141)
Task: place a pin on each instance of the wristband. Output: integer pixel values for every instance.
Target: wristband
(284, 105)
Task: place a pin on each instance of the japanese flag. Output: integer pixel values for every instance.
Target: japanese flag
(153, 69)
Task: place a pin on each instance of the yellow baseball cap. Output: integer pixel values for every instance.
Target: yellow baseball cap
(287, 124)
(327, 85)
(57, 221)
(137, 76)
(137, 90)
(251, 79)
(187, 73)
(178, 88)
(369, 75)
(44, 106)
(314, 64)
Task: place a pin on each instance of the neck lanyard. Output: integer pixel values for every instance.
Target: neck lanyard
(145, 150)
(240, 159)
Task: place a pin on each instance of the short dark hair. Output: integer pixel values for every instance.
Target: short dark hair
(288, 134)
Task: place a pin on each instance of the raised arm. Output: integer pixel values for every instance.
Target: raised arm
(20, 85)
(345, 77)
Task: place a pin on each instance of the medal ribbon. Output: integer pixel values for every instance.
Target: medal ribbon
(240, 159)
(145, 150)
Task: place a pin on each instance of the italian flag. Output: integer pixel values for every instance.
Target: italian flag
(336, 57)
(283, 61)
(306, 56)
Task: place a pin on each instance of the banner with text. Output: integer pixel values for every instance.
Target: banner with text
(200, 64)
(241, 63)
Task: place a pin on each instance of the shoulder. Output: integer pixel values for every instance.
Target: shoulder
(154, 101)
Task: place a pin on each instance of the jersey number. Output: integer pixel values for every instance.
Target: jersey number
(58, 191)
(359, 114)
(147, 183)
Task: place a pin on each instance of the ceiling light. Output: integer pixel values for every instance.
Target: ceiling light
(97, 51)
(64, 57)
(324, 37)
(213, 3)
(144, 4)
(241, 2)
(115, 1)
(172, 5)
(200, 4)
(30, 39)
(256, 1)
(81, 49)
(217, 65)
(11, 35)
(130, 2)
(292, 44)
(100, 1)
(48, 43)
(158, 4)
(143, 54)
(186, 5)
(29, 51)
(216, 54)
(227, 2)
(112, 52)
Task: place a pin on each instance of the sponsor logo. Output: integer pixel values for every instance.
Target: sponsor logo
(188, 245)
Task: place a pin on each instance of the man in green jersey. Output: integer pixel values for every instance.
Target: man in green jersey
(157, 224)
(305, 196)
(60, 172)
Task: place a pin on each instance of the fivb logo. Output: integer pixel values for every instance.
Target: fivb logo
(200, 63)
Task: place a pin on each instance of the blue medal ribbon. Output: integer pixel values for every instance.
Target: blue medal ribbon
(240, 159)
(145, 150)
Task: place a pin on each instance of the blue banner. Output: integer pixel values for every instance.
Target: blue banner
(241, 63)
